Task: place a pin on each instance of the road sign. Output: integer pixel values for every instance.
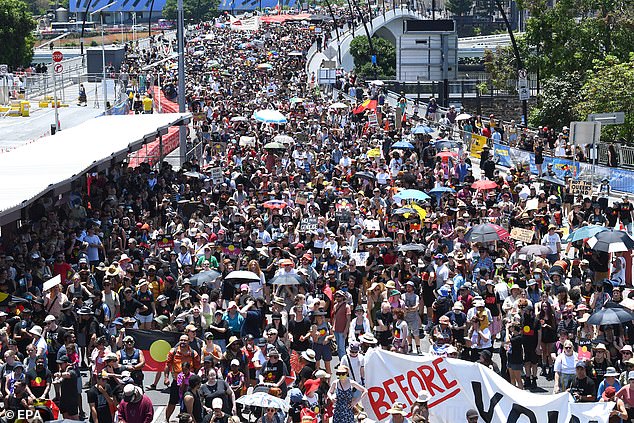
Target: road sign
(4, 69)
(524, 93)
(59, 68)
(615, 118)
(57, 56)
(585, 132)
(522, 85)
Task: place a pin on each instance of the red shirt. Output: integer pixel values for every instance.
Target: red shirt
(63, 270)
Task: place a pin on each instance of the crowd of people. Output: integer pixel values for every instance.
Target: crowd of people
(319, 238)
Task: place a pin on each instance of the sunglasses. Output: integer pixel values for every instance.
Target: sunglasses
(342, 374)
(567, 348)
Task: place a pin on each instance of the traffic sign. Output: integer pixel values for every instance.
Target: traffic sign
(615, 118)
(4, 69)
(525, 93)
(57, 56)
(59, 68)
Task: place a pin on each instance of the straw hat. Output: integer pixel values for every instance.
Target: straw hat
(397, 408)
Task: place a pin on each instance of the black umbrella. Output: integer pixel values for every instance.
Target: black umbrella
(611, 241)
(364, 175)
(553, 180)
(485, 232)
(405, 210)
(286, 279)
(202, 278)
(411, 247)
(611, 316)
(374, 241)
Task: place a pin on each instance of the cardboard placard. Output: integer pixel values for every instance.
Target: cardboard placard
(308, 224)
(343, 216)
(372, 225)
(215, 173)
(231, 250)
(392, 227)
(360, 258)
(301, 199)
(373, 120)
(521, 234)
(584, 350)
(477, 145)
(580, 187)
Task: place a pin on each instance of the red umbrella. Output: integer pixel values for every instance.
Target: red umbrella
(275, 204)
(484, 184)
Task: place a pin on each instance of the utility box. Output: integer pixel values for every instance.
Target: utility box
(94, 60)
(427, 51)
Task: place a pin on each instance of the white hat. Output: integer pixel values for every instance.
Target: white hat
(423, 396)
(132, 393)
(49, 318)
(36, 330)
(309, 355)
(216, 403)
(235, 362)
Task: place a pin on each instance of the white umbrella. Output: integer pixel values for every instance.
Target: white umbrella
(377, 83)
(269, 116)
(239, 119)
(338, 106)
(284, 139)
(247, 141)
(264, 400)
(49, 284)
(242, 276)
(463, 116)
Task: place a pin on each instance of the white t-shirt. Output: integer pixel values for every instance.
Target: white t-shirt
(551, 242)
(354, 363)
(565, 364)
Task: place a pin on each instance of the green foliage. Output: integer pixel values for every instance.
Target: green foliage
(197, 10)
(16, 24)
(558, 99)
(93, 43)
(501, 66)
(609, 87)
(459, 7)
(385, 57)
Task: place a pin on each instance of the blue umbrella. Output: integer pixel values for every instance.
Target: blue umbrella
(422, 129)
(442, 144)
(584, 232)
(403, 144)
(440, 190)
(412, 194)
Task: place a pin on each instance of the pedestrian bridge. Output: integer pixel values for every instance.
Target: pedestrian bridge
(388, 26)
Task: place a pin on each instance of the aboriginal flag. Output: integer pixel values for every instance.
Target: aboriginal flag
(155, 345)
(5, 299)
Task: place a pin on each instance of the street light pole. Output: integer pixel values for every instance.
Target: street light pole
(182, 134)
(103, 55)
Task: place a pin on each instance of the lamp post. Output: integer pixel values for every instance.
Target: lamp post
(81, 36)
(182, 134)
(103, 55)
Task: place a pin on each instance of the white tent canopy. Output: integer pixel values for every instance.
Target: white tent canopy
(52, 162)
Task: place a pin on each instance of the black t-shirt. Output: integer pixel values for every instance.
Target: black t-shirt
(272, 373)
(625, 211)
(103, 409)
(306, 372)
(37, 381)
(298, 329)
(146, 298)
(69, 388)
(583, 386)
(516, 352)
(221, 335)
(129, 308)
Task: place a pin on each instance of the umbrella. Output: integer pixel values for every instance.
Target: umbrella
(49, 284)
(403, 144)
(405, 210)
(247, 141)
(242, 276)
(284, 139)
(377, 82)
(269, 116)
(375, 152)
(447, 154)
(286, 279)
(338, 105)
(422, 129)
(611, 316)
(202, 278)
(442, 144)
(463, 116)
(484, 184)
(192, 174)
(265, 66)
(274, 146)
(440, 190)
(375, 241)
(264, 400)
(239, 119)
(365, 175)
(536, 250)
(275, 204)
(295, 53)
(411, 247)
(412, 194)
(485, 232)
(296, 100)
(553, 180)
(584, 232)
(611, 241)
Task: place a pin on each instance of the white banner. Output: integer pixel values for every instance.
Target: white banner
(456, 386)
(247, 24)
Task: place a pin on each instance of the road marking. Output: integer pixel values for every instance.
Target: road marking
(158, 413)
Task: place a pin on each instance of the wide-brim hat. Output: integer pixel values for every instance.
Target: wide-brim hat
(368, 338)
(397, 409)
(232, 340)
(309, 355)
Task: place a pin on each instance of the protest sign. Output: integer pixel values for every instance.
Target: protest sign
(392, 227)
(477, 145)
(584, 349)
(301, 199)
(360, 258)
(456, 386)
(215, 173)
(165, 242)
(580, 187)
(521, 234)
(372, 225)
(308, 224)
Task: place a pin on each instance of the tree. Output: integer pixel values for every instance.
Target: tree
(16, 24)
(459, 7)
(196, 10)
(609, 87)
(385, 57)
(558, 98)
(500, 64)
